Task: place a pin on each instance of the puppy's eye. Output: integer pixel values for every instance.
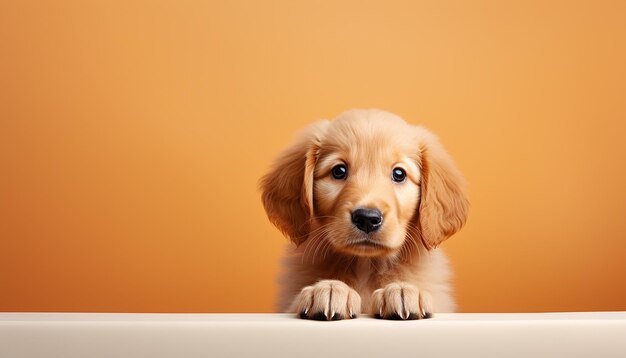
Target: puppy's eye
(398, 175)
(339, 172)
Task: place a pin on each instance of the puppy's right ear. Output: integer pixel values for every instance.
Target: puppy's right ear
(287, 189)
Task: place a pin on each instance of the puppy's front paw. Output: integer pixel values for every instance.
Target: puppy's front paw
(401, 301)
(327, 300)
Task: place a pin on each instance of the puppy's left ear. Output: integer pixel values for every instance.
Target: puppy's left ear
(443, 203)
(287, 189)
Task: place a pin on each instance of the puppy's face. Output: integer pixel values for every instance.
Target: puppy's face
(366, 185)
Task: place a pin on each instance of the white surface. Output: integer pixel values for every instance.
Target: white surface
(67, 335)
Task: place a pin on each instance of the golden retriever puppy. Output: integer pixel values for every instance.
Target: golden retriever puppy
(366, 199)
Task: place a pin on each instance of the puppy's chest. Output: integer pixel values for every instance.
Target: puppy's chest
(365, 280)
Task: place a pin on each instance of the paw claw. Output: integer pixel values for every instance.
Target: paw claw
(413, 316)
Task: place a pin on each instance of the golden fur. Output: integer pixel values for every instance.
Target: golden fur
(329, 273)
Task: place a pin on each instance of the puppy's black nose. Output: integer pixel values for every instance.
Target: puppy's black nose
(367, 219)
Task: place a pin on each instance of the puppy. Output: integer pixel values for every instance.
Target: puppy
(366, 199)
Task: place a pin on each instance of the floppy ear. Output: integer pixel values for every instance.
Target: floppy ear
(287, 189)
(443, 203)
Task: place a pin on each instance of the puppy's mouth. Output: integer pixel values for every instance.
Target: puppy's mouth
(367, 247)
(367, 243)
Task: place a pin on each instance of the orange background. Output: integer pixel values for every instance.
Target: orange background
(132, 135)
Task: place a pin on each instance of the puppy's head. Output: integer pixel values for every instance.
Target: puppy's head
(368, 183)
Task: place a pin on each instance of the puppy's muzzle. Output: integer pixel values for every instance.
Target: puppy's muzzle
(367, 220)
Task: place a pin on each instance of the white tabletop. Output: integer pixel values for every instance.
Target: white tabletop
(579, 334)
